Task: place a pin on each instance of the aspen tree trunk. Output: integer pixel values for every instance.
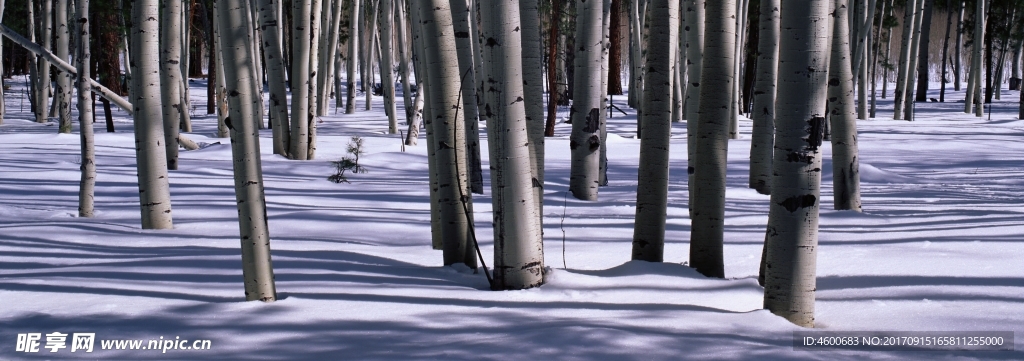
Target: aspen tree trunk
(533, 85)
(301, 35)
(553, 61)
(419, 114)
(903, 69)
(315, 42)
(372, 8)
(449, 137)
(888, 52)
(652, 187)
(353, 56)
(518, 247)
(862, 59)
(915, 48)
(763, 114)
(62, 50)
(585, 140)
(87, 185)
(708, 211)
(467, 82)
(387, 81)
(957, 58)
(976, 59)
(222, 103)
(603, 163)
(741, 24)
(170, 75)
(694, 62)
(924, 34)
(845, 166)
(150, 154)
(874, 58)
(636, 49)
(257, 269)
(945, 52)
(43, 88)
(792, 235)
(331, 29)
(415, 9)
(273, 57)
(403, 61)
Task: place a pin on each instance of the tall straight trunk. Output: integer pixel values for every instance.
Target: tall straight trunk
(273, 59)
(976, 58)
(603, 163)
(222, 95)
(467, 83)
(874, 58)
(585, 140)
(387, 73)
(792, 234)
(257, 269)
(315, 17)
(636, 49)
(43, 88)
(652, 188)
(301, 35)
(415, 9)
(371, 41)
(957, 57)
(845, 166)
(615, 51)
(533, 85)
(734, 103)
(403, 60)
(553, 39)
(150, 155)
(170, 75)
(353, 56)
(915, 48)
(708, 209)
(922, 59)
(211, 59)
(87, 185)
(186, 103)
(763, 114)
(62, 50)
(903, 68)
(694, 12)
(861, 58)
(332, 16)
(945, 52)
(518, 247)
(449, 141)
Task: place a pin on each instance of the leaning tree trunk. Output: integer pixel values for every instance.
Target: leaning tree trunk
(845, 167)
(353, 57)
(585, 141)
(170, 75)
(62, 50)
(301, 20)
(652, 188)
(87, 185)
(694, 59)
(533, 84)
(792, 234)
(273, 60)
(449, 137)
(763, 113)
(518, 247)
(150, 155)
(903, 69)
(709, 166)
(237, 52)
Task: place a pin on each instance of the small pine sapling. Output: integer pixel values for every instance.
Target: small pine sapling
(351, 163)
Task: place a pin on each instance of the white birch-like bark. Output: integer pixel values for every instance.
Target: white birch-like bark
(976, 59)
(845, 165)
(903, 69)
(301, 35)
(170, 77)
(222, 103)
(62, 92)
(449, 141)
(636, 72)
(694, 13)
(330, 47)
(605, 47)
(87, 185)
(43, 88)
(712, 140)
(741, 26)
(763, 112)
(257, 270)
(372, 7)
(518, 247)
(353, 57)
(585, 140)
(419, 60)
(957, 58)
(316, 12)
(387, 74)
(273, 59)
(792, 234)
(652, 187)
(150, 154)
(915, 46)
(467, 82)
(403, 60)
(533, 85)
(861, 59)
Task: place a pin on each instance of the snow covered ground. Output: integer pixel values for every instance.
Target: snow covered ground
(939, 247)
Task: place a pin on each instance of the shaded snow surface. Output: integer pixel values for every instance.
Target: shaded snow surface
(939, 247)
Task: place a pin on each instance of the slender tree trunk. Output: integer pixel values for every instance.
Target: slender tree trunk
(874, 58)
(553, 38)
(353, 56)
(945, 52)
(222, 95)
(845, 166)
(615, 51)
(518, 247)
(763, 114)
(694, 63)
(585, 141)
(273, 57)
(170, 74)
(603, 163)
(403, 60)
(922, 59)
(903, 69)
(151, 156)
(708, 210)
(87, 185)
(43, 88)
(333, 14)
(792, 234)
(372, 8)
(976, 59)
(861, 59)
(652, 188)
(315, 17)
(912, 69)
(636, 54)
(301, 35)
(741, 24)
(62, 50)
(533, 85)
(387, 81)
(449, 137)
(467, 83)
(257, 269)
(957, 57)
